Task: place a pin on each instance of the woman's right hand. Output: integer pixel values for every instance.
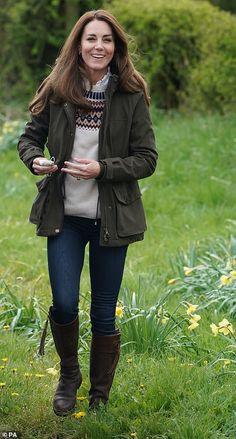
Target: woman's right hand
(42, 170)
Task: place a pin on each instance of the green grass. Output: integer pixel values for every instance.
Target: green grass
(156, 398)
(188, 395)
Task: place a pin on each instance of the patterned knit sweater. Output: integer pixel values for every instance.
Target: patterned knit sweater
(81, 196)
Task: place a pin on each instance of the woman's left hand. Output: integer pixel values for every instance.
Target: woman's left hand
(82, 169)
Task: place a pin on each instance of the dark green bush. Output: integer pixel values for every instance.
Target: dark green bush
(187, 51)
(212, 83)
(31, 33)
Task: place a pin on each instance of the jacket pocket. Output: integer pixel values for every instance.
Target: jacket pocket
(130, 217)
(39, 204)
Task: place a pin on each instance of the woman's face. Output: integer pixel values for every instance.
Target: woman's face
(97, 48)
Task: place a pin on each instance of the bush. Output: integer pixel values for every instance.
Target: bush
(212, 83)
(187, 51)
(32, 33)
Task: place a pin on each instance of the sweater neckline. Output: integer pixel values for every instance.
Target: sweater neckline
(100, 85)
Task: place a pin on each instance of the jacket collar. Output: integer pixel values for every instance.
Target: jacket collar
(112, 86)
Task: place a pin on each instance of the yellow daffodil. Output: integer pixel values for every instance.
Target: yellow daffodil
(172, 281)
(225, 280)
(119, 311)
(27, 374)
(7, 129)
(52, 371)
(191, 308)
(133, 434)
(2, 385)
(214, 329)
(188, 271)
(171, 359)
(14, 394)
(14, 369)
(79, 415)
(193, 326)
(2, 367)
(6, 326)
(227, 362)
(130, 361)
(5, 360)
(233, 274)
(15, 123)
(81, 398)
(164, 320)
(225, 327)
(39, 375)
(195, 318)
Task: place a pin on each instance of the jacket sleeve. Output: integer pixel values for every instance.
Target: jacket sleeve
(142, 158)
(32, 142)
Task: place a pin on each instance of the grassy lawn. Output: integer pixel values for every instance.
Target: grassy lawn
(183, 388)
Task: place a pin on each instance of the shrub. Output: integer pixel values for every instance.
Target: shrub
(212, 82)
(187, 51)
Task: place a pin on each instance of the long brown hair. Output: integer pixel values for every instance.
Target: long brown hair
(65, 83)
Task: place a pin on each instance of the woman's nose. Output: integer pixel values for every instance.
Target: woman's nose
(99, 44)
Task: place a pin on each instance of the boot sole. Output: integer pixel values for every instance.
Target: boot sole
(63, 414)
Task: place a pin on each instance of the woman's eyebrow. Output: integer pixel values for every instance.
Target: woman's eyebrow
(94, 35)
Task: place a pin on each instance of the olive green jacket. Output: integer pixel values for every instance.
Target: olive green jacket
(127, 153)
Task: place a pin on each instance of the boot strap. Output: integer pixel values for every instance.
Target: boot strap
(41, 351)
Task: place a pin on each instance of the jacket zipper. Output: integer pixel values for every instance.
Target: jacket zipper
(96, 218)
(106, 234)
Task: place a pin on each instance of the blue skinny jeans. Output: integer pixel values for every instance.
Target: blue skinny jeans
(65, 263)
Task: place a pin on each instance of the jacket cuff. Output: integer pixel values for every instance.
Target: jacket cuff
(102, 170)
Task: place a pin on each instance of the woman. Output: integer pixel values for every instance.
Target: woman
(92, 110)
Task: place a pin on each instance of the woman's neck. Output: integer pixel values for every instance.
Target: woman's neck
(97, 77)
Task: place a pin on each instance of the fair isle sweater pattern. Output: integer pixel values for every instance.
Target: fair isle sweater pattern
(81, 197)
(91, 120)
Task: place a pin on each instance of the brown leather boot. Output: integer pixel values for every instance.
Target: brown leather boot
(104, 356)
(66, 343)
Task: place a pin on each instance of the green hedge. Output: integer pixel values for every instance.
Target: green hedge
(187, 51)
(31, 34)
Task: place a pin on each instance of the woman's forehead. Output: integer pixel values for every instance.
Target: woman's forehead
(97, 27)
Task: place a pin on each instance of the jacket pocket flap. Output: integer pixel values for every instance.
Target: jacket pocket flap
(126, 196)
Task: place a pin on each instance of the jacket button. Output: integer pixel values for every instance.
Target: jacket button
(57, 230)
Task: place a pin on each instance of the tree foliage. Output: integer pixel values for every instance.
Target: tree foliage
(187, 48)
(32, 33)
(226, 5)
(186, 51)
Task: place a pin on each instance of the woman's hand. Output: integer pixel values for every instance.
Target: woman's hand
(42, 170)
(82, 168)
